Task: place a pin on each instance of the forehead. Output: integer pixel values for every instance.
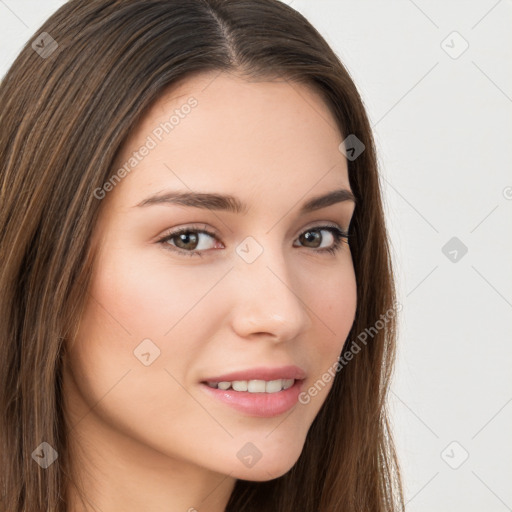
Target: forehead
(216, 132)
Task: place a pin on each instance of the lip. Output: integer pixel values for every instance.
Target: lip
(261, 373)
(262, 405)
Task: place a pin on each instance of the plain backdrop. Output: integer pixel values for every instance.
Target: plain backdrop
(436, 79)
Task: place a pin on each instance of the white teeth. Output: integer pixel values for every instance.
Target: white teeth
(287, 383)
(239, 385)
(272, 386)
(254, 386)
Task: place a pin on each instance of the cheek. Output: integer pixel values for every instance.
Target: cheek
(333, 306)
(143, 310)
(134, 309)
(332, 301)
(147, 297)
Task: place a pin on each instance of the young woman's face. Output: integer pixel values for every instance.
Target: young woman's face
(249, 295)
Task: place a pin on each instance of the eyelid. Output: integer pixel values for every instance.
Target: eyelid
(203, 228)
(172, 232)
(212, 231)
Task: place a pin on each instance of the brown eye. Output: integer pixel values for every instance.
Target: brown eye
(312, 238)
(193, 242)
(188, 241)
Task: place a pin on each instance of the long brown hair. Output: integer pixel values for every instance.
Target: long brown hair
(66, 108)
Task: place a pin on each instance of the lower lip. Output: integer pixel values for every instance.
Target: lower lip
(263, 405)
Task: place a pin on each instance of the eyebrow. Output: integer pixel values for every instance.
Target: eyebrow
(229, 203)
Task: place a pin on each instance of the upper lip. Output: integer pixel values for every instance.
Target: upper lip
(261, 373)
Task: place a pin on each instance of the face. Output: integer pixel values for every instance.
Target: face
(187, 293)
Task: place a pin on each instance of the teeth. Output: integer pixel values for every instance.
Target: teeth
(239, 385)
(272, 386)
(288, 383)
(254, 386)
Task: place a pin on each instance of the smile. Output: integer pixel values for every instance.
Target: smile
(254, 386)
(283, 394)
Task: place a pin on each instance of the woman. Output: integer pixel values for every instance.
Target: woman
(177, 332)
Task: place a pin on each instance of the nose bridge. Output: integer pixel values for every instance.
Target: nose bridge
(270, 304)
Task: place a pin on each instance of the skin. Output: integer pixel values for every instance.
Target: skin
(148, 437)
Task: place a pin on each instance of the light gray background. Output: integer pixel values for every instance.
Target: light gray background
(443, 127)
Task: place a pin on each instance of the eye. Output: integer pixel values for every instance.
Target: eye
(334, 240)
(193, 241)
(189, 241)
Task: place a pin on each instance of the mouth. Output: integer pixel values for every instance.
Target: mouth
(259, 392)
(254, 386)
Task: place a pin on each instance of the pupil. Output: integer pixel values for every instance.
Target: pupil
(312, 236)
(183, 239)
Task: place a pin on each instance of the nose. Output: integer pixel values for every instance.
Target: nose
(267, 302)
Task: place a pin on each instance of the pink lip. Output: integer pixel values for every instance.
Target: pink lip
(261, 373)
(263, 405)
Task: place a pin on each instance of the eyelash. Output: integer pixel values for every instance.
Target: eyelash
(338, 234)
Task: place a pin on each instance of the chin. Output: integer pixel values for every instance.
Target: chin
(268, 468)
